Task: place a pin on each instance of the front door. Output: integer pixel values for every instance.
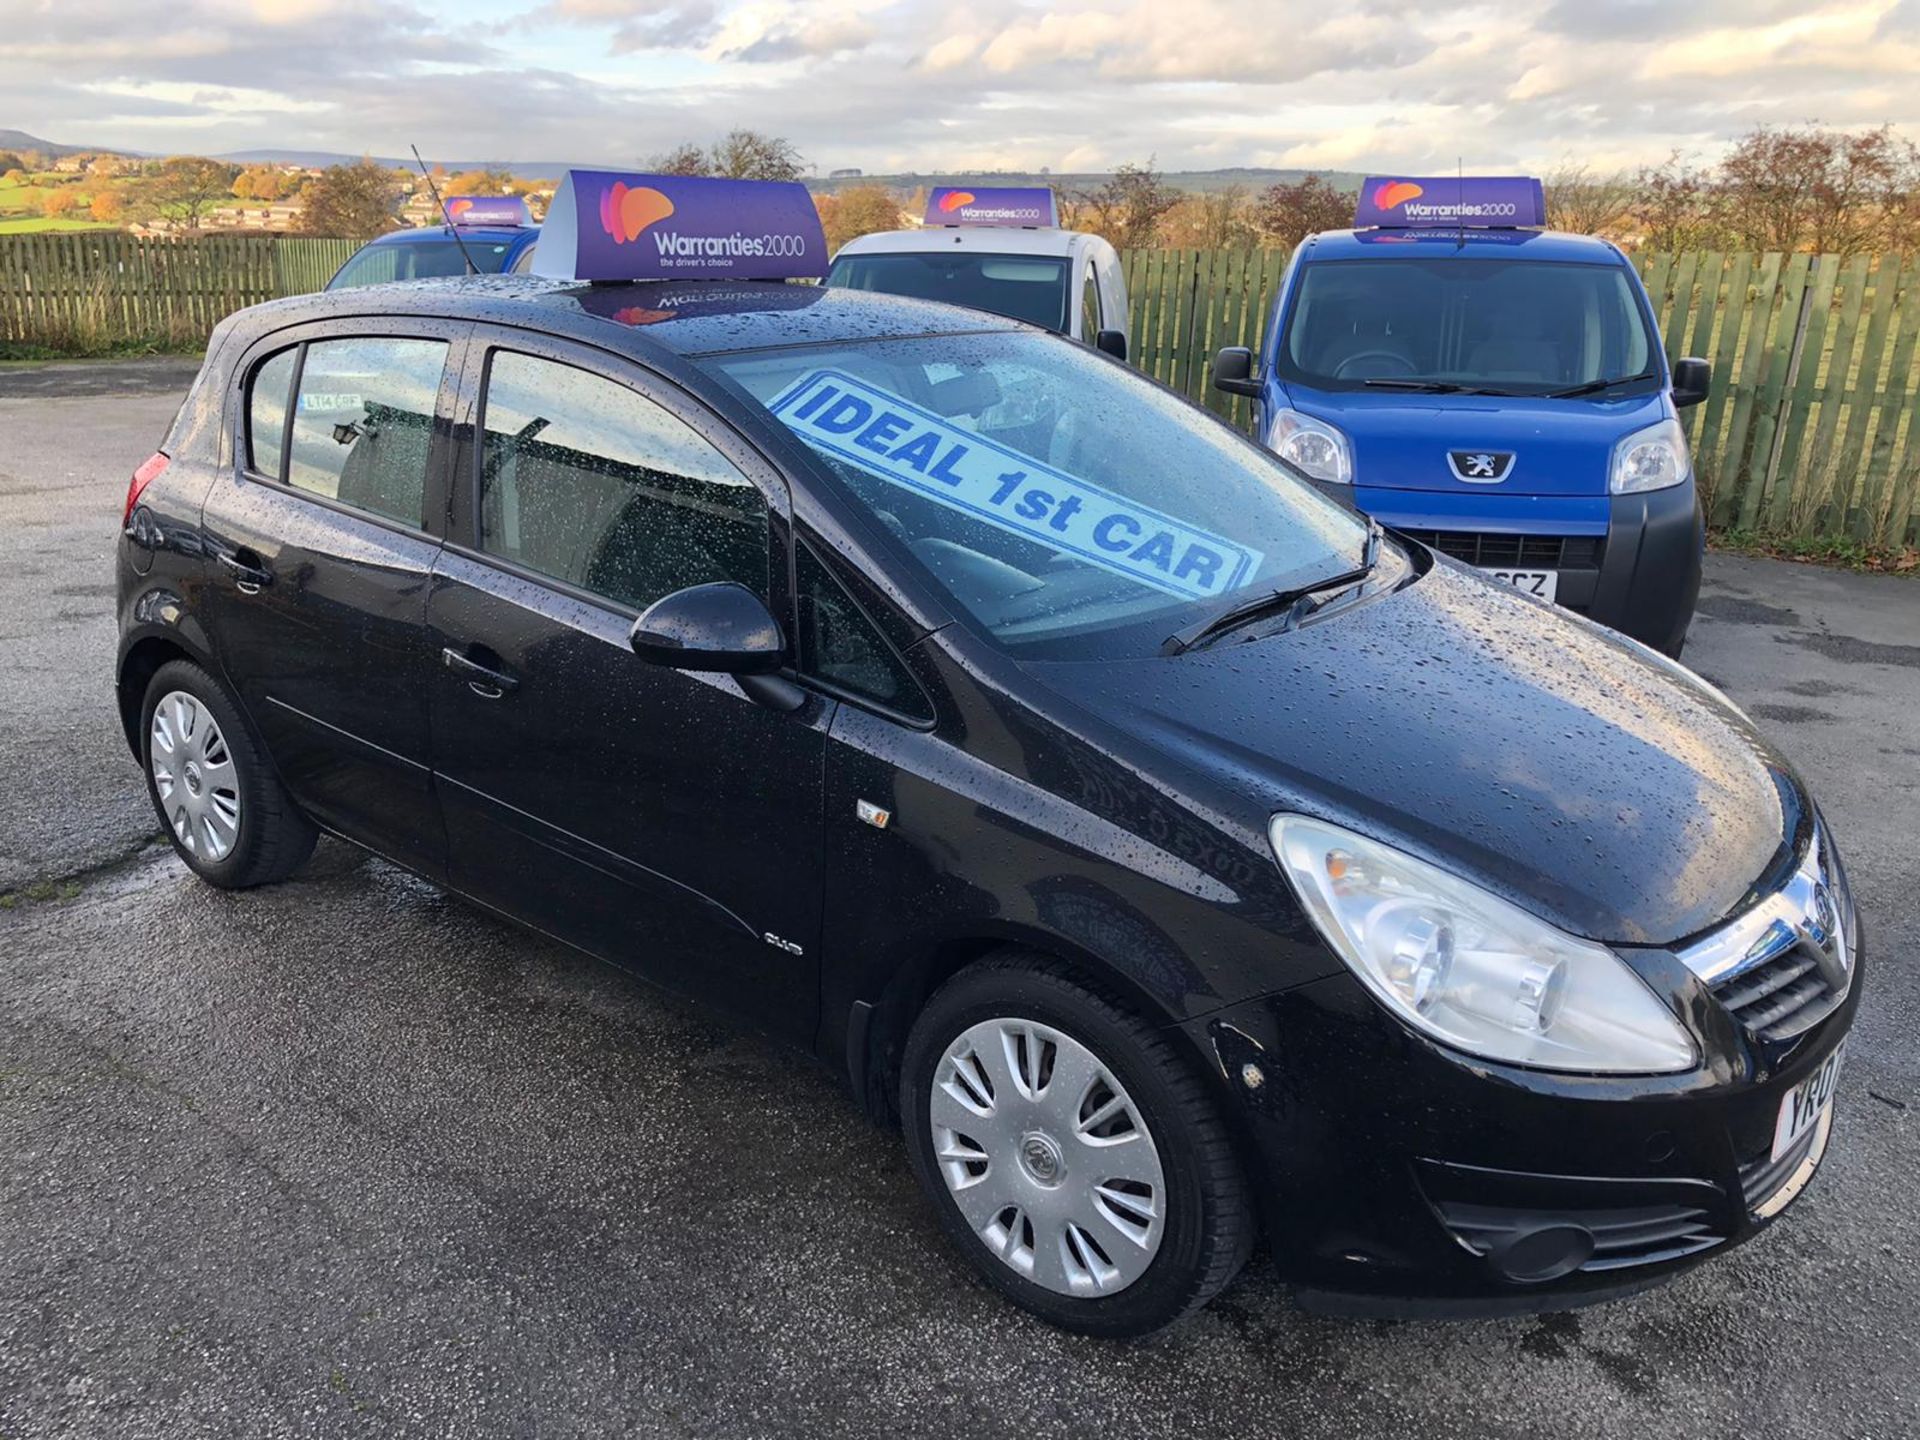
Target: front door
(320, 549)
(661, 819)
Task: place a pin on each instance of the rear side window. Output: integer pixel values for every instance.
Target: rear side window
(586, 481)
(267, 414)
(363, 423)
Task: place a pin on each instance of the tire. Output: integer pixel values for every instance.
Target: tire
(219, 800)
(1122, 1273)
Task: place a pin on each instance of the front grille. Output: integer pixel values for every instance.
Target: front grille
(1761, 1178)
(1781, 997)
(1623, 1238)
(1494, 551)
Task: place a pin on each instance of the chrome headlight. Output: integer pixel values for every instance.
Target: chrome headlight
(1311, 445)
(1469, 969)
(1651, 459)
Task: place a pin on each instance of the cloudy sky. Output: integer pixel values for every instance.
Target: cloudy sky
(934, 84)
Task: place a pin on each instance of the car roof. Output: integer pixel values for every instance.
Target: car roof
(485, 234)
(1438, 243)
(681, 317)
(982, 239)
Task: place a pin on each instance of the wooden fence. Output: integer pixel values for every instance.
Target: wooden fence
(1812, 427)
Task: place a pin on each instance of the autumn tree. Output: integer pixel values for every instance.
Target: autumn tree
(683, 159)
(109, 206)
(1586, 201)
(856, 211)
(58, 202)
(1286, 213)
(185, 187)
(1127, 207)
(1210, 220)
(354, 202)
(1826, 190)
(490, 181)
(10, 162)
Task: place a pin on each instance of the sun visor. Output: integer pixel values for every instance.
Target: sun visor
(1006, 206)
(609, 225)
(487, 210)
(1451, 201)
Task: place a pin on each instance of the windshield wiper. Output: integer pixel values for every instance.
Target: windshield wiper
(1594, 387)
(1274, 602)
(1435, 387)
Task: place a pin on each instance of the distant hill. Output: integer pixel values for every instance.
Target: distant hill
(17, 140)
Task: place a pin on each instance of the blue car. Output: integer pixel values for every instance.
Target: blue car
(1494, 390)
(495, 234)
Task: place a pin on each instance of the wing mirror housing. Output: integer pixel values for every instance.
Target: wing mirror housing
(1112, 342)
(1233, 371)
(1692, 378)
(722, 627)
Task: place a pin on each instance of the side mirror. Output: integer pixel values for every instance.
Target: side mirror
(1112, 342)
(1692, 378)
(719, 627)
(1233, 371)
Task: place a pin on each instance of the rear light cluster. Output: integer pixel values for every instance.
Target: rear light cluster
(149, 471)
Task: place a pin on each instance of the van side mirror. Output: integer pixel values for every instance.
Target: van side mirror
(721, 627)
(1692, 378)
(1112, 342)
(1233, 371)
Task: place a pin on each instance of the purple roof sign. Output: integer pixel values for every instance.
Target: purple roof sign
(487, 210)
(609, 225)
(1006, 206)
(1479, 201)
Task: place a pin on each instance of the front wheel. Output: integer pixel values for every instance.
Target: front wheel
(1070, 1153)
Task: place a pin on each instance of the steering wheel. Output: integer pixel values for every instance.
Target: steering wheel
(1402, 366)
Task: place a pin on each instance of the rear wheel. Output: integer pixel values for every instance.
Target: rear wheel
(1070, 1153)
(223, 807)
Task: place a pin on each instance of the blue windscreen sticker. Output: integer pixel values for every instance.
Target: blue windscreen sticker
(920, 451)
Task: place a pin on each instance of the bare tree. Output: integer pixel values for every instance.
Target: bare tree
(1287, 214)
(185, 187)
(1678, 206)
(1826, 190)
(683, 159)
(752, 155)
(1127, 207)
(1588, 202)
(355, 201)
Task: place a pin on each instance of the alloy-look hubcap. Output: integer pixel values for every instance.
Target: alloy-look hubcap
(194, 776)
(1047, 1157)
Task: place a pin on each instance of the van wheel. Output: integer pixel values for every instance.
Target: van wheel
(1069, 1152)
(223, 807)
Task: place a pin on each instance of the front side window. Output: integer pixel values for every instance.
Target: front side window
(586, 481)
(841, 646)
(1070, 506)
(1519, 326)
(378, 264)
(363, 423)
(1033, 288)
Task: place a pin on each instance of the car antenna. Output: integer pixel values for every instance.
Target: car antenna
(452, 229)
(1459, 199)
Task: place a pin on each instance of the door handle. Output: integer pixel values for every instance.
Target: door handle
(488, 684)
(248, 577)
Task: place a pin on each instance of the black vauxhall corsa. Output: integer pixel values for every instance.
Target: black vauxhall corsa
(1179, 860)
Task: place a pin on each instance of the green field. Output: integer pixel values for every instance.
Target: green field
(34, 224)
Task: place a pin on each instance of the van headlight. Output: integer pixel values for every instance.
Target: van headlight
(1311, 445)
(1471, 970)
(1650, 459)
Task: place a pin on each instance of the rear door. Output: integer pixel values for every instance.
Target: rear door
(320, 543)
(661, 819)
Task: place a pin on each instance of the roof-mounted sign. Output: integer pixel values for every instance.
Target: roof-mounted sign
(1486, 201)
(1006, 206)
(487, 210)
(608, 225)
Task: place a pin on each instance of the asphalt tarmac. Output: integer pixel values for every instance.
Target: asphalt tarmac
(346, 1156)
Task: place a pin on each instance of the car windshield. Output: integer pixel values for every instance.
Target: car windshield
(1032, 288)
(1521, 326)
(416, 260)
(1071, 507)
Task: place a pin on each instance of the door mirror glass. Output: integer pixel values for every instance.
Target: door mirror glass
(1112, 342)
(1692, 378)
(720, 626)
(1233, 371)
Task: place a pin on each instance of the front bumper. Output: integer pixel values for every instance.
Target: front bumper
(1402, 1178)
(1631, 562)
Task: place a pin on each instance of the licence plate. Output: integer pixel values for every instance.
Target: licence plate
(1541, 584)
(1802, 1106)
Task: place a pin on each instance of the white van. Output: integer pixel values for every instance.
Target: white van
(1000, 250)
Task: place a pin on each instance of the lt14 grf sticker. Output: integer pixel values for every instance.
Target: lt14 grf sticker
(923, 452)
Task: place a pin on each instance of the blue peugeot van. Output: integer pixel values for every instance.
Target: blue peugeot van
(1493, 389)
(492, 234)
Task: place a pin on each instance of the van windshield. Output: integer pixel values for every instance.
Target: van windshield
(1032, 288)
(377, 264)
(1524, 327)
(1073, 508)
